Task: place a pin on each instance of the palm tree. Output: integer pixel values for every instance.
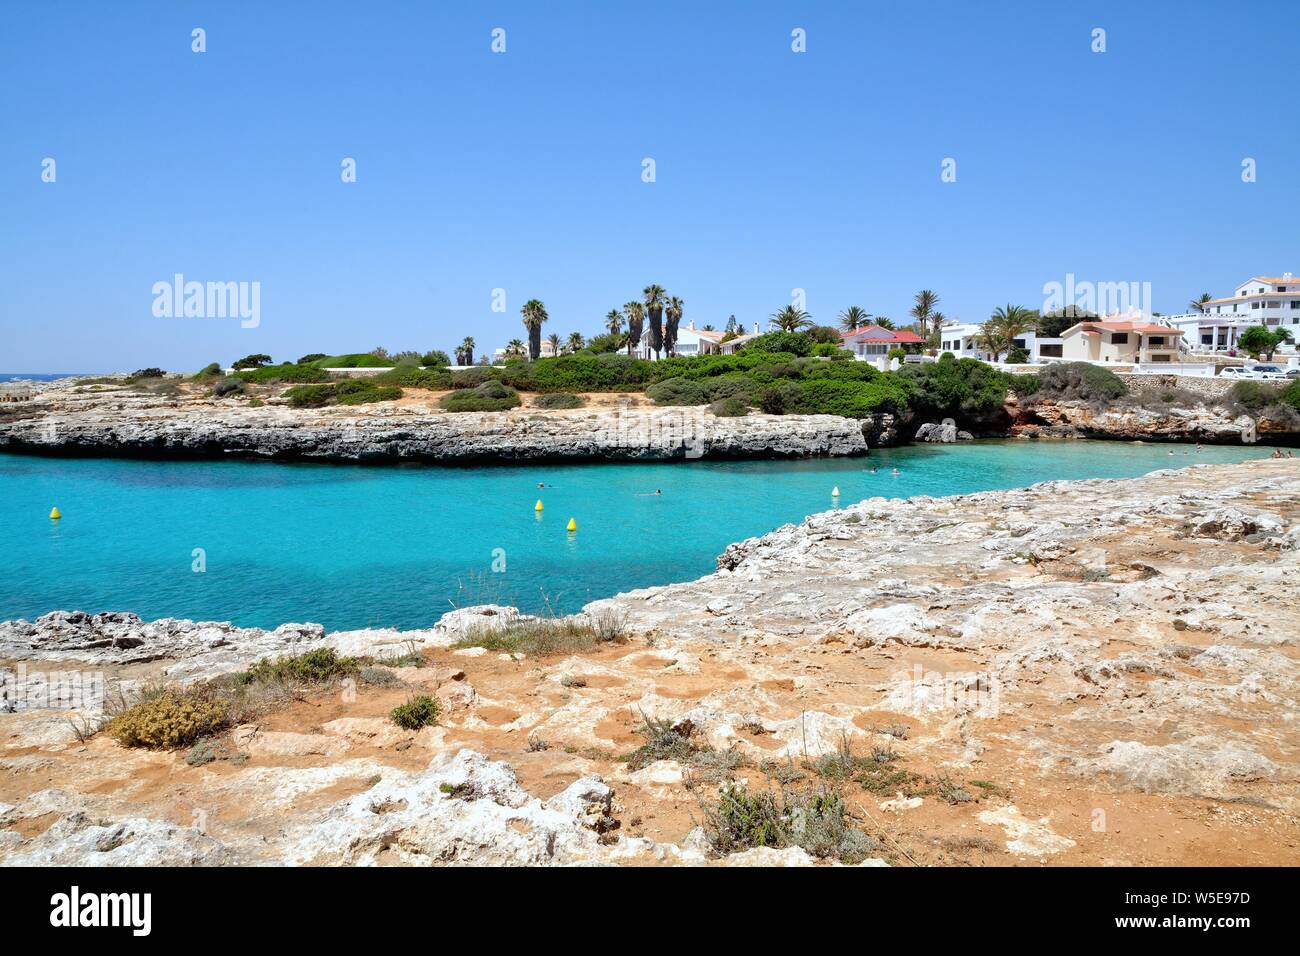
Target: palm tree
(674, 310)
(576, 342)
(853, 318)
(553, 341)
(534, 314)
(515, 347)
(614, 321)
(883, 322)
(1198, 304)
(635, 313)
(466, 351)
(654, 296)
(923, 312)
(1005, 325)
(791, 319)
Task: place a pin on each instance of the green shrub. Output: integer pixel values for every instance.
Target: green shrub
(421, 711)
(311, 357)
(678, 391)
(1291, 395)
(351, 392)
(434, 379)
(782, 398)
(435, 359)
(353, 360)
(1082, 381)
(209, 371)
(312, 667)
(491, 396)
(954, 388)
(559, 400)
(1017, 356)
(167, 720)
(473, 377)
(851, 399)
(145, 373)
(283, 373)
(228, 386)
(829, 350)
(729, 408)
(256, 360)
(1256, 395)
(796, 343)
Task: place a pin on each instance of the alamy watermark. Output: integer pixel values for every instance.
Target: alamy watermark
(1102, 298)
(21, 689)
(209, 300)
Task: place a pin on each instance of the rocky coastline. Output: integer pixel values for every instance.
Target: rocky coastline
(1026, 663)
(80, 418)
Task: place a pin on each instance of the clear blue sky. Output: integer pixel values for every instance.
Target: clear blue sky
(522, 171)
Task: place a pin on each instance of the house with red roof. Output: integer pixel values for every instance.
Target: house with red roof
(870, 343)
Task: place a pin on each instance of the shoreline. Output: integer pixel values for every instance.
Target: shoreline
(1106, 613)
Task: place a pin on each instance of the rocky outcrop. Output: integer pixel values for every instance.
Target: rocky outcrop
(1087, 672)
(945, 432)
(1210, 424)
(62, 421)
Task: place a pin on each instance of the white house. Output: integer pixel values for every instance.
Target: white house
(692, 341)
(1118, 339)
(1272, 301)
(962, 340)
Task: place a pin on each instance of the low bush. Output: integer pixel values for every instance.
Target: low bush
(852, 399)
(1255, 396)
(351, 392)
(438, 380)
(167, 719)
(473, 377)
(436, 359)
(421, 711)
(311, 357)
(1082, 381)
(491, 396)
(283, 373)
(208, 372)
(729, 408)
(312, 667)
(353, 360)
(795, 343)
(1291, 395)
(547, 636)
(554, 400)
(678, 391)
(228, 386)
(782, 398)
(145, 373)
(818, 823)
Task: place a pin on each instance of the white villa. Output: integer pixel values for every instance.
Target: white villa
(1116, 339)
(692, 341)
(1272, 301)
(962, 340)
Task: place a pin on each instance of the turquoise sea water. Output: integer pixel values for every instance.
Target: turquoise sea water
(352, 546)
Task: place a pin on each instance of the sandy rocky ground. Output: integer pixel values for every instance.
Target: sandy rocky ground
(1090, 672)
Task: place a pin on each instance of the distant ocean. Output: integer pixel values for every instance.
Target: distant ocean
(37, 376)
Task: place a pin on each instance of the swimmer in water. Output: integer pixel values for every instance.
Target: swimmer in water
(894, 472)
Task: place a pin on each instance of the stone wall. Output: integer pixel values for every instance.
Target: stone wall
(1205, 386)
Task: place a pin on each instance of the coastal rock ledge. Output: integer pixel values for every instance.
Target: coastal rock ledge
(61, 421)
(1079, 672)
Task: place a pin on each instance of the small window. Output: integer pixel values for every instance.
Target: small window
(1295, 303)
(1119, 338)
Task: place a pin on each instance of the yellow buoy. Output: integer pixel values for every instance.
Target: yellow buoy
(538, 506)
(573, 525)
(55, 513)
(835, 492)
